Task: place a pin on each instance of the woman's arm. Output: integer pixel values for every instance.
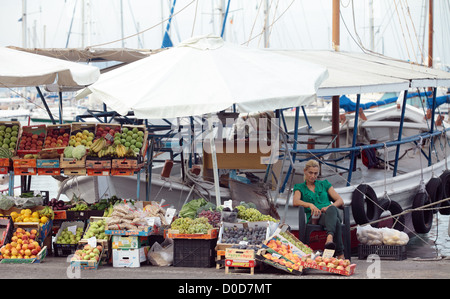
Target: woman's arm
(336, 198)
(297, 201)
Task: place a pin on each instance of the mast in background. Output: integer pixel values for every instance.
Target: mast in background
(430, 33)
(335, 98)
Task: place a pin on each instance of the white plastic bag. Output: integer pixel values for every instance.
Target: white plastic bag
(369, 235)
(161, 254)
(394, 237)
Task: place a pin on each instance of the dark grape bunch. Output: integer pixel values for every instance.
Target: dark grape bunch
(212, 216)
(244, 236)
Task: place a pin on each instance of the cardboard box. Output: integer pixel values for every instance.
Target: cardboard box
(72, 162)
(347, 271)
(39, 258)
(60, 130)
(175, 234)
(47, 163)
(123, 171)
(98, 172)
(4, 162)
(131, 258)
(4, 169)
(89, 264)
(239, 254)
(49, 171)
(25, 163)
(128, 242)
(74, 171)
(145, 231)
(19, 132)
(279, 262)
(40, 130)
(282, 233)
(98, 163)
(25, 171)
(224, 246)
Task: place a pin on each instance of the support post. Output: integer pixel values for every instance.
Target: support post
(355, 132)
(400, 132)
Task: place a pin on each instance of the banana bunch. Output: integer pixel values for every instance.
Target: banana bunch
(108, 211)
(47, 211)
(98, 145)
(120, 150)
(106, 151)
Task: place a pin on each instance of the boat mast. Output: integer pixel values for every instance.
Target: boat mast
(335, 98)
(430, 33)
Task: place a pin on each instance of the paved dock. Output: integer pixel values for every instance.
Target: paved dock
(59, 268)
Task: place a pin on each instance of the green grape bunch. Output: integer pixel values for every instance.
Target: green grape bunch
(252, 214)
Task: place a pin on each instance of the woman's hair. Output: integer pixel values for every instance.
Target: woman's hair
(311, 163)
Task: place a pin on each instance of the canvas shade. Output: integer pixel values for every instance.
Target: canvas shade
(22, 69)
(206, 75)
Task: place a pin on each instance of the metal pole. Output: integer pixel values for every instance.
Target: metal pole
(432, 123)
(400, 132)
(45, 104)
(355, 132)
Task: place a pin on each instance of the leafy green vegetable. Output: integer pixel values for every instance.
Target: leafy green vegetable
(68, 151)
(190, 209)
(79, 151)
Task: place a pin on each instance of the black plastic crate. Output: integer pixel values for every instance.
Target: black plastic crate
(199, 253)
(64, 250)
(395, 252)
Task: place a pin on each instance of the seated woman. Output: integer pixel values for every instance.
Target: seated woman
(321, 201)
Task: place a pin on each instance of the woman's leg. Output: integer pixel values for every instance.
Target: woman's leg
(331, 220)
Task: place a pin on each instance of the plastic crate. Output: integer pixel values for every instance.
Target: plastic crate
(64, 250)
(197, 253)
(395, 252)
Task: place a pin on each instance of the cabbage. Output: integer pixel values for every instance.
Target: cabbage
(68, 151)
(79, 151)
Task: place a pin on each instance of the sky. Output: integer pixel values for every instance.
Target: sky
(398, 25)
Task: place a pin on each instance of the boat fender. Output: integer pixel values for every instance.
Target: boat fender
(445, 179)
(422, 219)
(365, 205)
(435, 192)
(399, 221)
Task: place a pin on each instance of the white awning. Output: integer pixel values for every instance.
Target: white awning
(357, 73)
(206, 75)
(22, 69)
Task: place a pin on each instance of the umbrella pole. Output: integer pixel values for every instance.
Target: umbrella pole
(214, 160)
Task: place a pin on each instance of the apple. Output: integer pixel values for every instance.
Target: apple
(340, 267)
(318, 259)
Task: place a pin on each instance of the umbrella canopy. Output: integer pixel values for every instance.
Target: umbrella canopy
(22, 69)
(206, 75)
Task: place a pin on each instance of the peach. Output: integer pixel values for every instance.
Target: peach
(28, 252)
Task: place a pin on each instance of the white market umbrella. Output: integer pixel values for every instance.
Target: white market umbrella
(206, 75)
(22, 69)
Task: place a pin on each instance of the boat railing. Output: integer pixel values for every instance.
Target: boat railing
(301, 155)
